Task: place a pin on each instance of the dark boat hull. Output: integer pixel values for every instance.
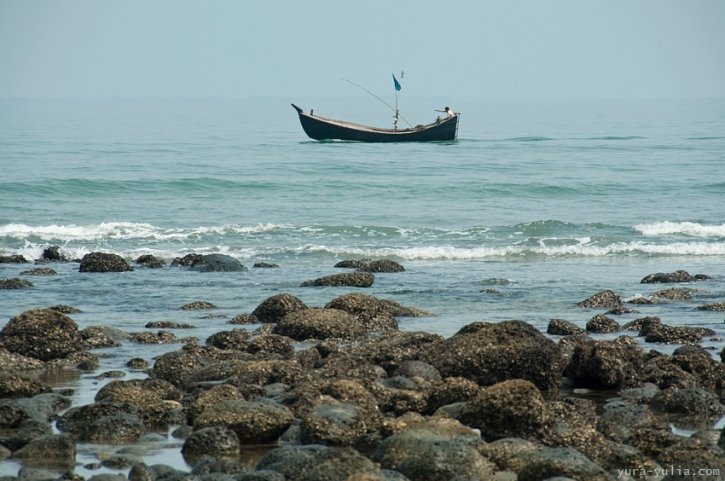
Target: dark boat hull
(323, 128)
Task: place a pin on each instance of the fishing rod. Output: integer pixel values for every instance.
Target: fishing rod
(396, 111)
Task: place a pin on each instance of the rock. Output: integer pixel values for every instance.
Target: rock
(688, 400)
(110, 422)
(168, 325)
(621, 421)
(160, 337)
(276, 307)
(435, 450)
(602, 323)
(690, 459)
(674, 294)
(17, 386)
(137, 364)
(52, 253)
(671, 277)
(654, 331)
(15, 283)
(560, 327)
(10, 361)
(488, 353)
(234, 339)
(418, 370)
(696, 360)
(603, 299)
(565, 462)
(317, 463)
(375, 314)
(217, 263)
(97, 337)
(188, 260)
(27, 431)
(717, 306)
(40, 271)
(381, 265)
(244, 319)
(14, 259)
(197, 306)
(319, 324)
(43, 334)
(334, 423)
(53, 448)
(604, 364)
(451, 390)
(150, 261)
(253, 422)
(351, 279)
(352, 263)
(213, 441)
(512, 408)
(103, 262)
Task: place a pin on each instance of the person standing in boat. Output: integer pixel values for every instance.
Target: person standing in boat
(449, 112)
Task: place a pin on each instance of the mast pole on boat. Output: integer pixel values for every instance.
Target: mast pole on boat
(394, 109)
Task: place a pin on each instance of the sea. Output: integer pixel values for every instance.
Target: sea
(537, 206)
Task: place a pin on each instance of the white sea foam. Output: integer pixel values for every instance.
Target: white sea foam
(692, 229)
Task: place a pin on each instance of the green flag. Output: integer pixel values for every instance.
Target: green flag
(397, 84)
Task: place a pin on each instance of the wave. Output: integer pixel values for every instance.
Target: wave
(690, 229)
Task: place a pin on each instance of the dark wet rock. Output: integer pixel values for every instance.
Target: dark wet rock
(244, 319)
(621, 421)
(217, 263)
(150, 261)
(659, 370)
(688, 400)
(276, 307)
(418, 370)
(605, 364)
(319, 324)
(253, 422)
(603, 299)
(53, 254)
(178, 366)
(654, 331)
(717, 306)
(103, 262)
(10, 361)
(17, 386)
(103, 422)
(373, 311)
(561, 327)
(214, 441)
(153, 398)
(169, 325)
(44, 334)
(563, 462)
(97, 337)
(188, 260)
(265, 265)
(601, 323)
(690, 459)
(65, 309)
(234, 339)
(381, 265)
(160, 337)
(637, 324)
(351, 279)
(270, 344)
(40, 271)
(572, 422)
(52, 449)
(514, 408)
(211, 396)
(509, 454)
(674, 294)
(12, 413)
(197, 306)
(642, 394)
(619, 310)
(137, 363)
(667, 278)
(641, 300)
(451, 390)
(435, 450)
(352, 263)
(13, 259)
(27, 431)
(315, 462)
(15, 283)
(335, 423)
(492, 352)
(697, 361)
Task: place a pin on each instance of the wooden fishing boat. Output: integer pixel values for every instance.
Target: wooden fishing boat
(323, 128)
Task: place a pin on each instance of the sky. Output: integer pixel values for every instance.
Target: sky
(468, 49)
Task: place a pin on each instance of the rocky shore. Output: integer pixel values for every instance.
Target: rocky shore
(339, 393)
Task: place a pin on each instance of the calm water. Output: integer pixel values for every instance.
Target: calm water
(546, 203)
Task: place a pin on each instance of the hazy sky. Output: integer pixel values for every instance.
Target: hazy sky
(472, 49)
